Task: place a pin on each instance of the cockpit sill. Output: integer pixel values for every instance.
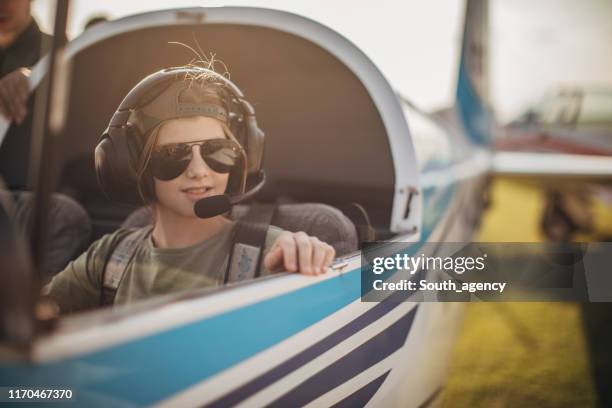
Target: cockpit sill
(142, 316)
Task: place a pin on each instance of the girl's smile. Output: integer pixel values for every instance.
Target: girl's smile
(177, 196)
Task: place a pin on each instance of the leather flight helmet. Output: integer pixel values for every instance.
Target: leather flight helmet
(157, 98)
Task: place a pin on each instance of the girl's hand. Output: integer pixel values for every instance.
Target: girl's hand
(299, 252)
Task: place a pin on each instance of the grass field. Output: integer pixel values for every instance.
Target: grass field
(519, 354)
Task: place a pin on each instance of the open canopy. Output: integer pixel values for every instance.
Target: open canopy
(333, 125)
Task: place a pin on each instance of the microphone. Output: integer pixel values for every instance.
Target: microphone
(212, 206)
(216, 205)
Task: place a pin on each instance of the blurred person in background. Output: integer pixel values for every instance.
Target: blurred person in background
(21, 45)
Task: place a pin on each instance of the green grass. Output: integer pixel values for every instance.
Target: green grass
(519, 354)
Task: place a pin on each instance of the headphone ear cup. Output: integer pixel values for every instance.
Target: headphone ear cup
(255, 145)
(255, 137)
(116, 157)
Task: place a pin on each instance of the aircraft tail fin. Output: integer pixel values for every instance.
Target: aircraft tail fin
(472, 97)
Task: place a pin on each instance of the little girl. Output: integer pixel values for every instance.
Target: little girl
(184, 128)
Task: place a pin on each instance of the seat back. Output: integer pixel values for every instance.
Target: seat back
(319, 220)
(69, 226)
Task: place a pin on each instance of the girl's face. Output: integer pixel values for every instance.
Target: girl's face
(198, 181)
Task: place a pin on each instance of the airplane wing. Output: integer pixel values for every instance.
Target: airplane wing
(553, 165)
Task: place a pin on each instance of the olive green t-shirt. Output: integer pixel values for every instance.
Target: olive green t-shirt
(152, 271)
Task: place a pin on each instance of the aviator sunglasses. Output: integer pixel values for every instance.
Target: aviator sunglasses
(171, 160)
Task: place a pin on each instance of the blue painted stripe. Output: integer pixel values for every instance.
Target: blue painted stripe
(147, 370)
(436, 201)
(474, 115)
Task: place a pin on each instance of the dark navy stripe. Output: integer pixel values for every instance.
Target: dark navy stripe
(361, 397)
(431, 398)
(310, 353)
(363, 357)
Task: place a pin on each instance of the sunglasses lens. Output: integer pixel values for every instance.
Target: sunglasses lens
(169, 162)
(221, 155)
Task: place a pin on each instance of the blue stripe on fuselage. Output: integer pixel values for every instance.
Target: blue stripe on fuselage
(147, 370)
(436, 202)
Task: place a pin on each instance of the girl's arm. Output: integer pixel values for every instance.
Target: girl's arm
(77, 287)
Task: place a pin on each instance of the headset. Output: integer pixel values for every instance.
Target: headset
(121, 145)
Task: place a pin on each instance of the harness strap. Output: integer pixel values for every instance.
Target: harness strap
(249, 241)
(244, 262)
(117, 263)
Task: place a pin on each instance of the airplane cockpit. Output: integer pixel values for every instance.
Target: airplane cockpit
(325, 139)
(338, 157)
